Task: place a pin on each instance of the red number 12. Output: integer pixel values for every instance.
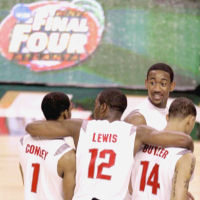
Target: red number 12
(102, 154)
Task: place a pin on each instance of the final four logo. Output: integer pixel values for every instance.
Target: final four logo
(51, 35)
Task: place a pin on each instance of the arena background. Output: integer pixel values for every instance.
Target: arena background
(135, 35)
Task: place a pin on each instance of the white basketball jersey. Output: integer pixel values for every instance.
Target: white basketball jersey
(39, 159)
(154, 116)
(104, 160)
(153, 172)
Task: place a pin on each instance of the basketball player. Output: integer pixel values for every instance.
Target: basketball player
(48, 166)
(160, 172)
(105, 146)
(152, 111)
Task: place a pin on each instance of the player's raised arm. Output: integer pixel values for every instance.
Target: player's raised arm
(148, 135)
(182, 175)
(54, 129)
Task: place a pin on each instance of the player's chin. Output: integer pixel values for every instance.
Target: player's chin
(157, 102)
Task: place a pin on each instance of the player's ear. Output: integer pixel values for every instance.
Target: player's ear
(146, 83)
(172, 86)
(63, 114)
(189, 123)
(68, 114)
(167, 117)
(191, 120)
(103, 107)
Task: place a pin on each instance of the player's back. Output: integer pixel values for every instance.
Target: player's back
(39, 159)
(153, 172)
(104, 160)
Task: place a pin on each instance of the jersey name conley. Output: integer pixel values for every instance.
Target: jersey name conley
(156, 151)
(36, 150)
(104, 137)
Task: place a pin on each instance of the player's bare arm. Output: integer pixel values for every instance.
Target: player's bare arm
(55, 129)
(66, 169)
(135, 118)
(182, 175)
(148, 135)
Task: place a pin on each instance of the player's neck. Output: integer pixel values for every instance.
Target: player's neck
(175, 126)
(114, 116)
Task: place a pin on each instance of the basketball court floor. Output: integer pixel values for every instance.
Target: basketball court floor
(11, 186)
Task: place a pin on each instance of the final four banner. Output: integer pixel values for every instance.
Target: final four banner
(52, 35)
(97, 43)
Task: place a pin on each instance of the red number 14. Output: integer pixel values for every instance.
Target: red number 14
(152, 179)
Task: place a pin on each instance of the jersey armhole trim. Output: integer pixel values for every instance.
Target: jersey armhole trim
(133, 130)
(21, 140)
(62, 148)
(84, 125)
(183, 152)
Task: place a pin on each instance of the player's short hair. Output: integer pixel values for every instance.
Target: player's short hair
(162, 67)
(53, 104)
(114, 98)
(182, 107)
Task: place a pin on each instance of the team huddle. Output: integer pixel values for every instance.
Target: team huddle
(145, 156)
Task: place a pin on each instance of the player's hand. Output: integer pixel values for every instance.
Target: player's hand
(190, 197)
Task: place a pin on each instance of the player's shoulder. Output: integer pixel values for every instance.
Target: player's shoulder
(188, 156)
(68, 156)
(134, 113)
(66, 161)
(135, 118)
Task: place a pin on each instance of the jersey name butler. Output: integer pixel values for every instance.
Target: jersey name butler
(156, 151)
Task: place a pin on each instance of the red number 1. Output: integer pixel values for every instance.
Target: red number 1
(36, 171)
(102, 154)
(153, 177)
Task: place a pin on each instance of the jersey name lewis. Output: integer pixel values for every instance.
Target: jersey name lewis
(104, 137)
